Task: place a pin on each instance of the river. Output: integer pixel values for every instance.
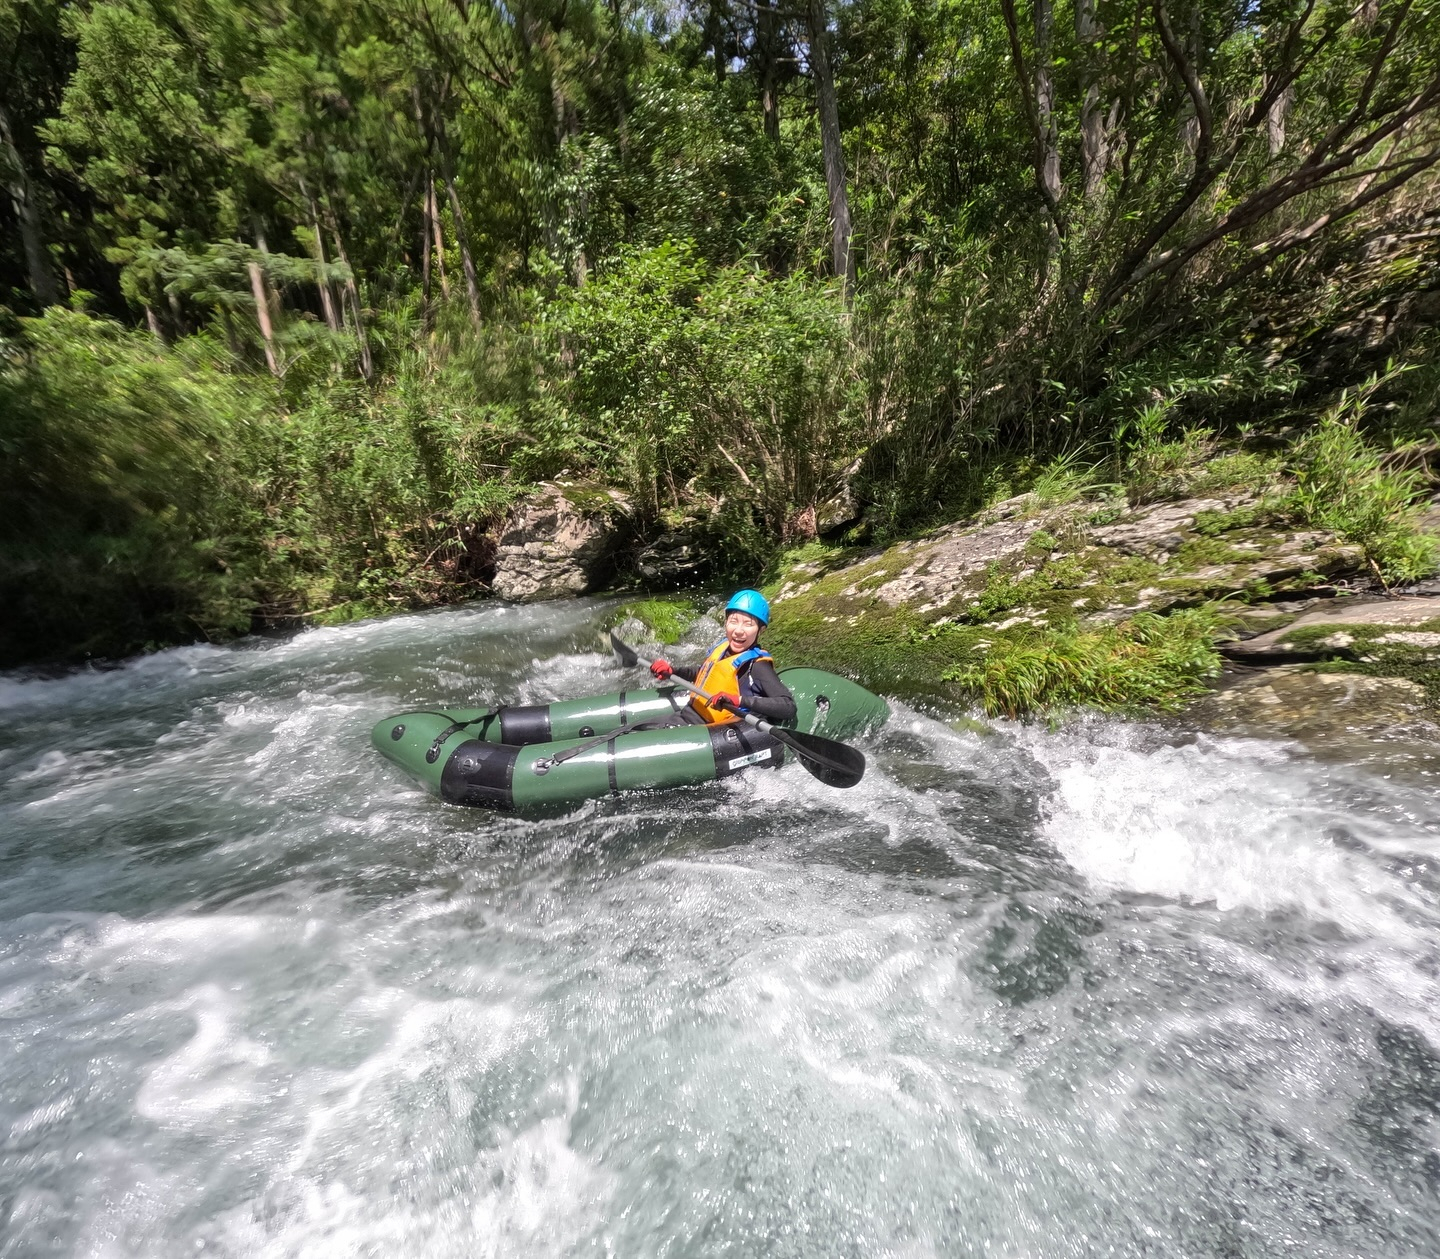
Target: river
(1113, 989)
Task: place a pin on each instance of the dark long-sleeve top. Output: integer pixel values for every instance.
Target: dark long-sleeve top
(772, 699)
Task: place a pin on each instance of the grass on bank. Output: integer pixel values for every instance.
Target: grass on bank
(1149, 662)
(1336, 478)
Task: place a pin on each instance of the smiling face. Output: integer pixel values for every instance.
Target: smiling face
(742, 630)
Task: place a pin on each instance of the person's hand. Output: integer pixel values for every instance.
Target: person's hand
(726, 700)
(662, 669)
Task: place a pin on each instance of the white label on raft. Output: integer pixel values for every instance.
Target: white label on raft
(740, 761)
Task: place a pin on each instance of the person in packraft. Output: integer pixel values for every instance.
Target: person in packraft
(738, 672)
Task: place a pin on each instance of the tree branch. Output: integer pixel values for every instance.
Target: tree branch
(1297, 237)
(1129, 273)
(1027, 102)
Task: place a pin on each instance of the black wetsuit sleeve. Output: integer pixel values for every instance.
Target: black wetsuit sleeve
(687, 671)
(774, 703)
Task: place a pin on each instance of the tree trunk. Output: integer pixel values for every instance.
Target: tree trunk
(619, 69)
(834, 154)
(462, 237)
(767, 39)
(352, 291)
(1275, 120)
(439, 233)
(1037, 103)
(1094, 146)
(327, 293)
(322, 279)
(262, 316)
(467, 259)
(715, 36)
(425, 250)
(567, 127)
(1045, 101)
(232, 338)
(22, 194)
(177, 315)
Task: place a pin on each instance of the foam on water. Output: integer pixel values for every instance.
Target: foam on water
(1101, 990)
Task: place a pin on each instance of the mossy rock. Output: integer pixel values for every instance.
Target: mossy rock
(590, 498)
(1410, 651)
(667, 618)
(1053, 615)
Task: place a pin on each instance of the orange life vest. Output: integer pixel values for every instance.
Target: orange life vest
(723, 673)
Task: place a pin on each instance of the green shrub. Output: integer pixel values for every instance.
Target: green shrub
(1156, 662)
(154, 495)
(118, 531)
(1343, 483)
(677, 379)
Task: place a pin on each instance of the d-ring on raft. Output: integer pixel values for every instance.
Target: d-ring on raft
(514, 757)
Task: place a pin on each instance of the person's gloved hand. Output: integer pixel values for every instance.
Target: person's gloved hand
(662, 669)
(726, 700)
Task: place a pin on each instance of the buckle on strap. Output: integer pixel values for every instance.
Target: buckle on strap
(432, 754)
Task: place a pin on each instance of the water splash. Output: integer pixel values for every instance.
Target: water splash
(1112, 988)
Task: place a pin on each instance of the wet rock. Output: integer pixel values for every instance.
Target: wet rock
(559, 543)
(1275, 614)
(1382, 722)
(1295, 700)
(1277, 644)
(673, 559)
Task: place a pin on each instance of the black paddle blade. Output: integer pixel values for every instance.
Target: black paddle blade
(834, 764)
(623, 653)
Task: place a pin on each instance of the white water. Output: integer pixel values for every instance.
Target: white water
(1111, 990)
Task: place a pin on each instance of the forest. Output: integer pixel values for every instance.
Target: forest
(296, 300)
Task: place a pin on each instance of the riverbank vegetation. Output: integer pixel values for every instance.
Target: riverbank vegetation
(299, 299)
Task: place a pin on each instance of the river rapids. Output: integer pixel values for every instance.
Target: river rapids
(1114, 989)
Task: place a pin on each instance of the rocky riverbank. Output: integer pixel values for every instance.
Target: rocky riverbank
(1222, 602)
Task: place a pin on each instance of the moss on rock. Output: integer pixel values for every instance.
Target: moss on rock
(1409, 651)
(1028, 612)
(666, 618)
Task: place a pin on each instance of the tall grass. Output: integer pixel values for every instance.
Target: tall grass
(1148, 662)
(1344, 483)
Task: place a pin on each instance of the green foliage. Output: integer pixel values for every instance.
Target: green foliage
(676, 378)
(1004, 589)
(117, 531)
(1064, 480)
(413, 257)
(1343, 483)
(376, 499)
(155, 495)
(1154, 662)
(1243, 471)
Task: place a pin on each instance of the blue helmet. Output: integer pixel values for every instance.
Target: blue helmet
(752, 603)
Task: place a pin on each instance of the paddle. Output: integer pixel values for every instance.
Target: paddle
(834, 764)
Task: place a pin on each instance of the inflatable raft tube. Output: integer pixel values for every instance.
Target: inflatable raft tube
(504, 758)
